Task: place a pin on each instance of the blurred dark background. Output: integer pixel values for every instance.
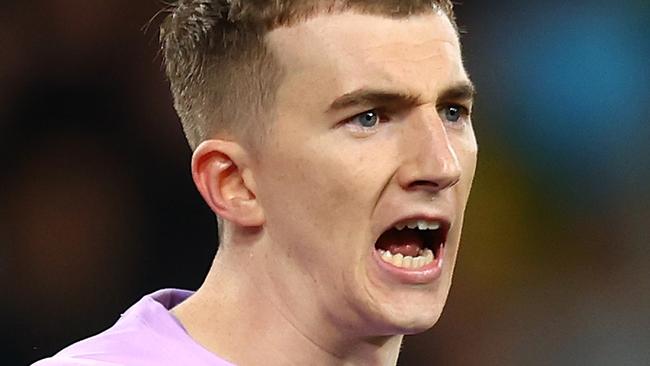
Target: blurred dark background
(97, 206)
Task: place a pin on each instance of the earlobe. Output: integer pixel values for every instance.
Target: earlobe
(218, 170)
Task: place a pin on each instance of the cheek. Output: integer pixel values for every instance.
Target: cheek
(467, 152)
(339, 190)
(311, 191)
(325, 188)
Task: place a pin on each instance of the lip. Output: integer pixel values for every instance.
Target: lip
(422, 275)
(412, 276)
(444, 220)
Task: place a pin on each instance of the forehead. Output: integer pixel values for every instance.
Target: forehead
(331, 54)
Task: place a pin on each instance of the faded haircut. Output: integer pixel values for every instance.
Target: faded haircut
(223, 76)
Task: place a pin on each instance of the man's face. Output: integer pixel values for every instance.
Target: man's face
(370, 133)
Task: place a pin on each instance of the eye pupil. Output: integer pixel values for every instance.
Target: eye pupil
(452, 114)
(368, 119)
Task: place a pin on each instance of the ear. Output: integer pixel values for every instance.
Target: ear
(221, 175)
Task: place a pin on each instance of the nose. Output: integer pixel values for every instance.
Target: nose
(430, 161)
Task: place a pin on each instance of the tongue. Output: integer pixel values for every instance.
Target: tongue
(406, 242)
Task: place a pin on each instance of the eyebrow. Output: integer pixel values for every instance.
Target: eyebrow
(464, 91)
(368, 96)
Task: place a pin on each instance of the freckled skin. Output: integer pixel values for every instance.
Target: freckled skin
(328, 191)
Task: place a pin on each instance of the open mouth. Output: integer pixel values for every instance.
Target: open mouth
(413, 244)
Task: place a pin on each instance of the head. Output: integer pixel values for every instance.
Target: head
(318, 129)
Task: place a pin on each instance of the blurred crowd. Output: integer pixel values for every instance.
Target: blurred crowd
(97, 206)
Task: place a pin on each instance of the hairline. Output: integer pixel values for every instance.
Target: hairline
(200, 103)
(281, 71)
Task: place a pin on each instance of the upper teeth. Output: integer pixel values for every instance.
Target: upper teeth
(419, 224)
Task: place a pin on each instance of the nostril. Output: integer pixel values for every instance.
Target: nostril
(423, 184)
(432, 185)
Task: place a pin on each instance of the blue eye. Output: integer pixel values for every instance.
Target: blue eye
(454, 113)
(368, 119)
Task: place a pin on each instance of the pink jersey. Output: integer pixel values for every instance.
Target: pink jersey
(146, 335)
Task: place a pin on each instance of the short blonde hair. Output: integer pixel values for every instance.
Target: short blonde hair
(221, 72)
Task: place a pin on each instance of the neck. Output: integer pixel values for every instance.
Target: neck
(237, 315)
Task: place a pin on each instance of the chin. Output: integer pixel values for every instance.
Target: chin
(393, 306)
(405, 320)
(423, 324)
(418, 324)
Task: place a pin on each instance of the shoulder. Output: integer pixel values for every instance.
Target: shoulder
(64, 361)
(145, 335)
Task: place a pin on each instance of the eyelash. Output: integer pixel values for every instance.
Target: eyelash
(382, 115)
(464, 114)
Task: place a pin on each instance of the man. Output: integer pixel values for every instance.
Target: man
(333, 141)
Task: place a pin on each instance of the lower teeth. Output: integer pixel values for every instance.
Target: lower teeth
(399, 260)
